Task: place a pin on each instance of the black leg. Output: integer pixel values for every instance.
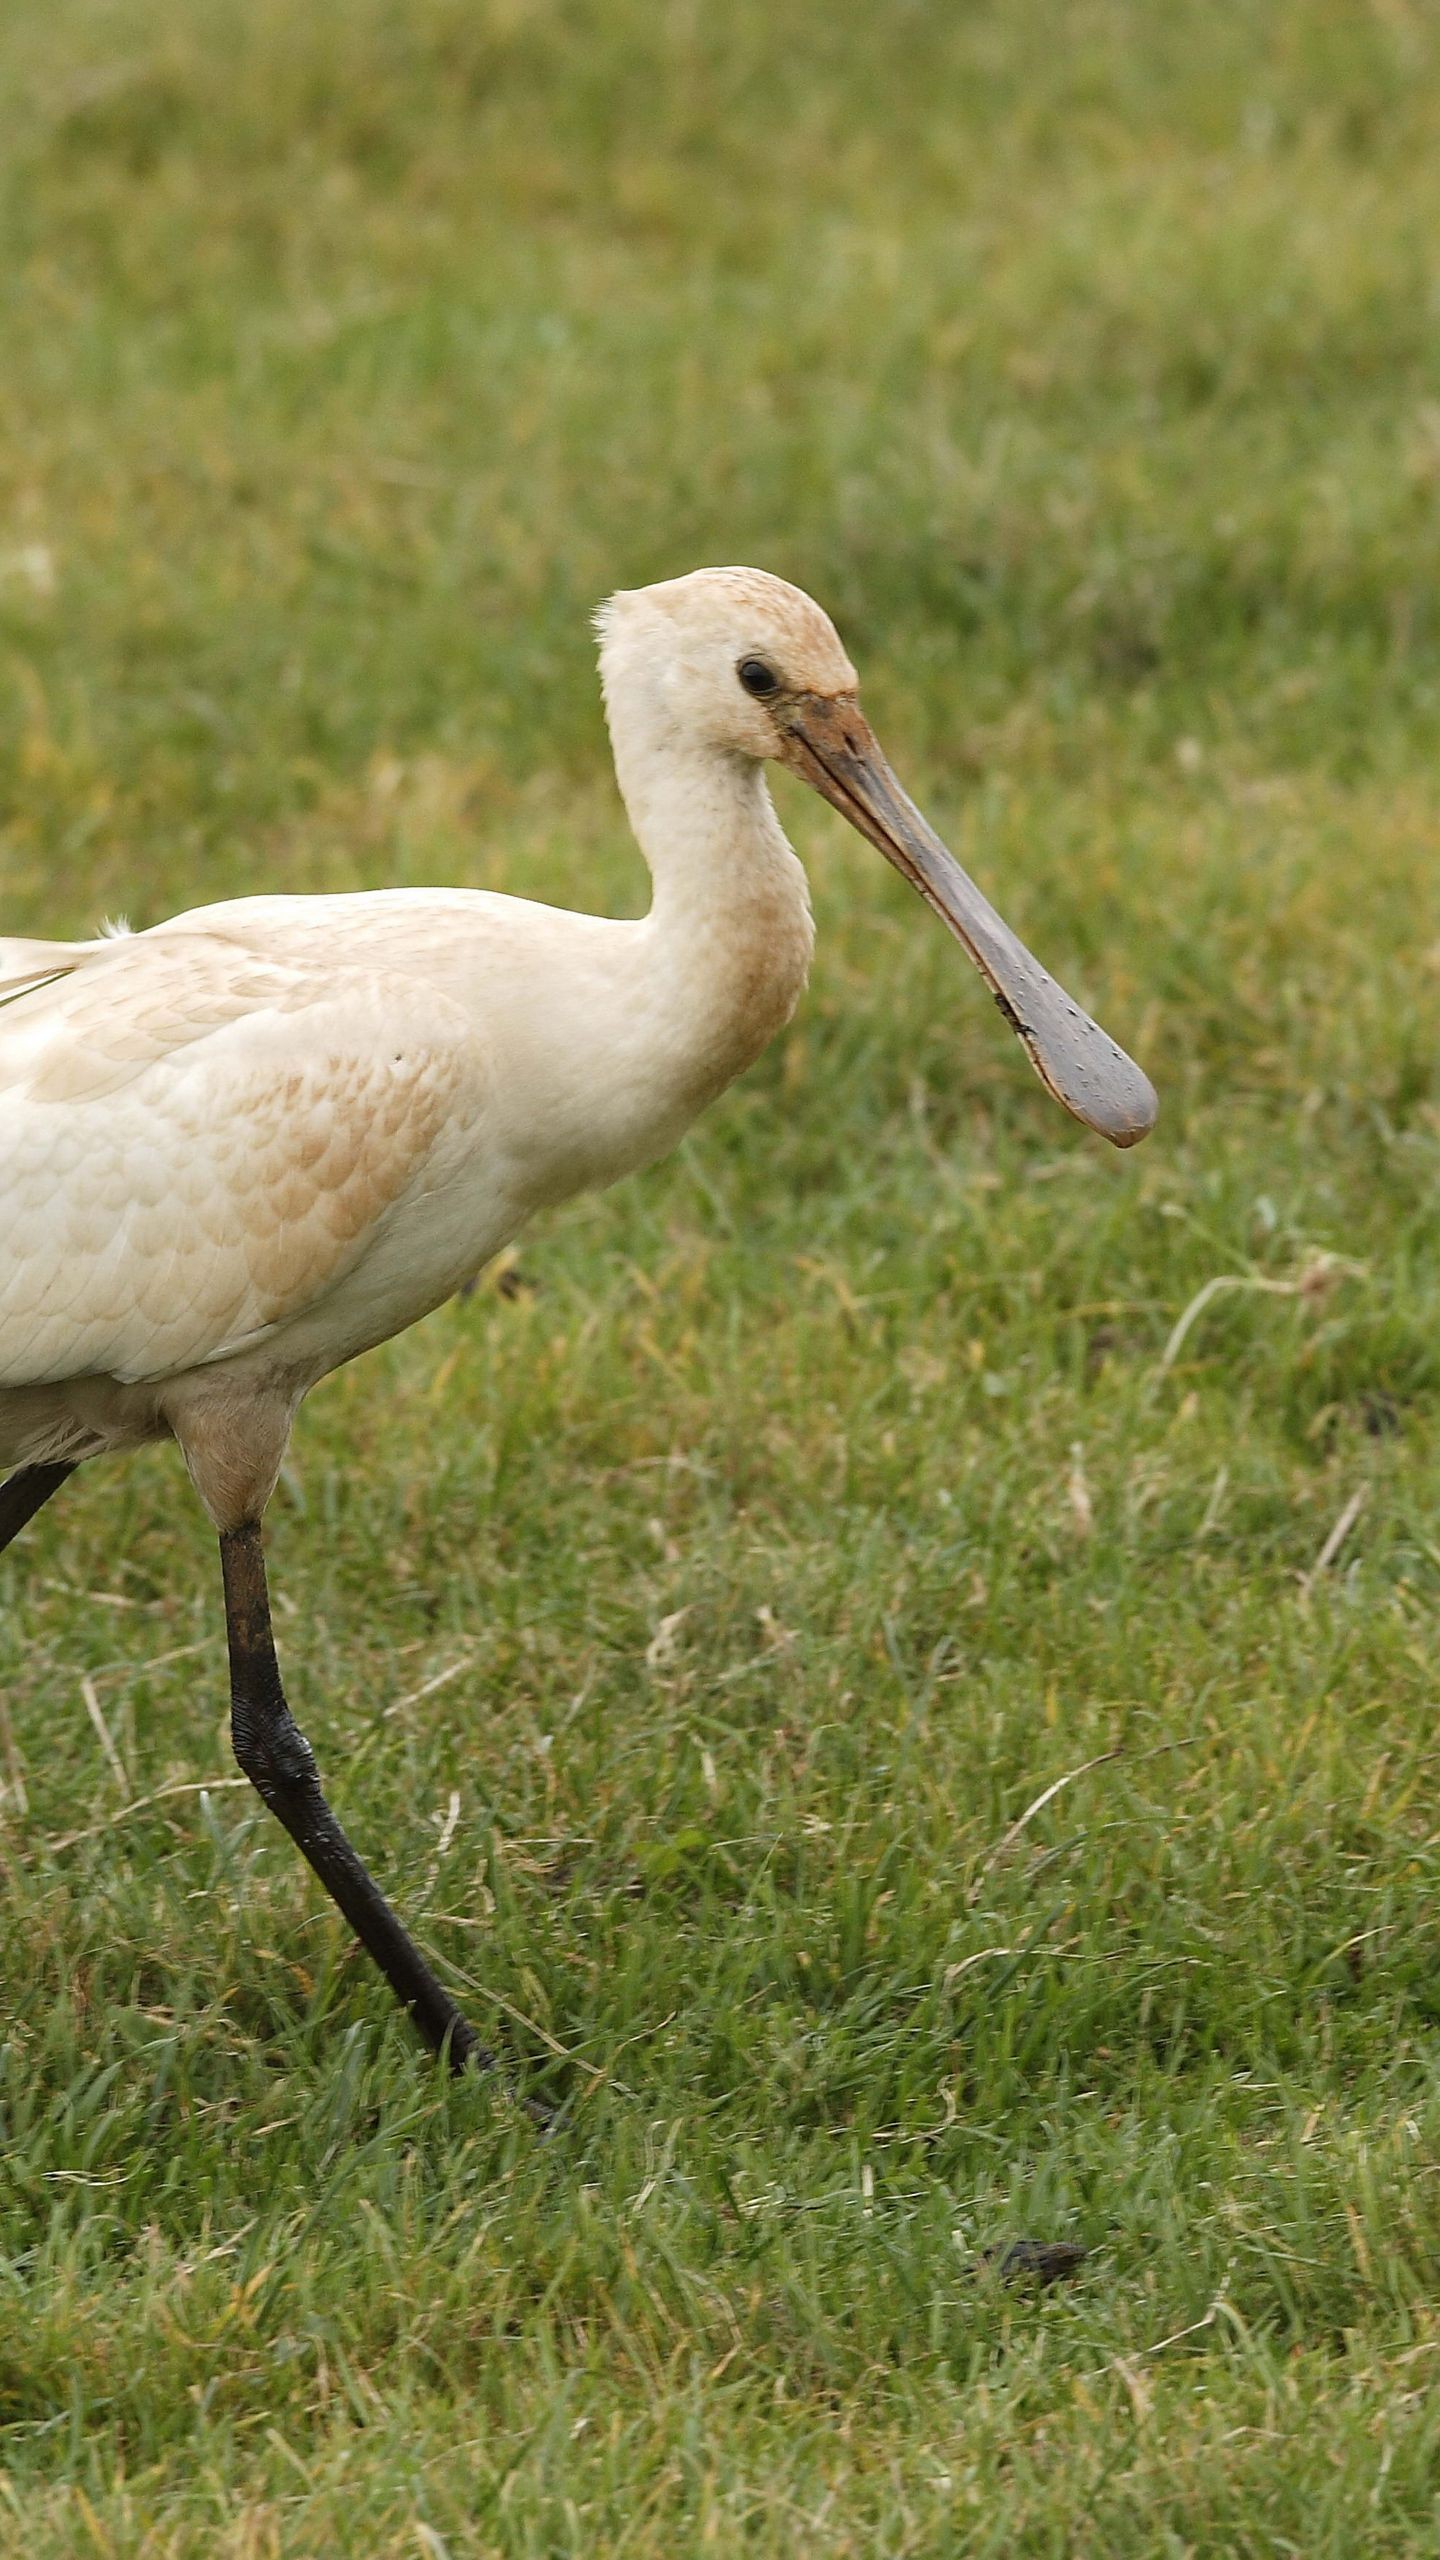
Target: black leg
(279, 1762)
(22, 1496)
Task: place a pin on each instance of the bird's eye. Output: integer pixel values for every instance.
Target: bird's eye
(756, 677)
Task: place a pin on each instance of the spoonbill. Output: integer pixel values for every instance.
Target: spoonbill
(245, 1145)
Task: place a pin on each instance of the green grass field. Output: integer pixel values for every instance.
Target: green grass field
(686, 1632)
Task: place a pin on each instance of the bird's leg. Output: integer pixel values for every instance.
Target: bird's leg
(22, 1495)
(280, 1764)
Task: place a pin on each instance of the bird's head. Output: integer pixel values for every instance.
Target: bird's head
(752, 666)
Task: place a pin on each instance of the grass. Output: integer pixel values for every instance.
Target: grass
(687, 1634)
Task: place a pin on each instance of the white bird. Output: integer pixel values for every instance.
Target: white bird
(241, 1147)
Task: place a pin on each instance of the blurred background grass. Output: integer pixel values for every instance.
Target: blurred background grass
(684, 1634)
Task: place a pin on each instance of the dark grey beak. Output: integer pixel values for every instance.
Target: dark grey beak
(830, 744)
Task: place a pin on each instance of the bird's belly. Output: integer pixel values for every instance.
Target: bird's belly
(421, 1254)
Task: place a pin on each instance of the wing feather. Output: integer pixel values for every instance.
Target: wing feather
(197, 1143)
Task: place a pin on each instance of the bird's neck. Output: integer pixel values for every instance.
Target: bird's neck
(728, 939)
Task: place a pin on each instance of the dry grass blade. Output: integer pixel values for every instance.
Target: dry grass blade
(1037, 1805)
(1320, 1274)
(104, 1736)
(1335, 1540)
(141, 1804)
(427, 1688)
